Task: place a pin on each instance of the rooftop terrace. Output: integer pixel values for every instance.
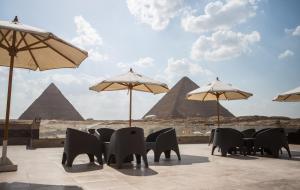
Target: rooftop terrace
(42, 169)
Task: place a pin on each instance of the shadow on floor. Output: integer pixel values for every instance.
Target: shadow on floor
(135, 170)
(237, 156)
(77, 168)
(33, 186)
(173, 161)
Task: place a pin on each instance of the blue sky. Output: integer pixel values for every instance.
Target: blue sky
(254, 45)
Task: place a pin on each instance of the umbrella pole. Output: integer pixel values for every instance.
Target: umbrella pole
(218, 109)
(5, 163)
(130, 104)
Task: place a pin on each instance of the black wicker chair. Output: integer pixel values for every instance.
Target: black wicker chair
(294, 137)
(105, 135)
(228, 140)
(79, 142)
(126, 142)
(211, 136)
(271, 141)
(260, 131)
(248, 133)
(163, 140)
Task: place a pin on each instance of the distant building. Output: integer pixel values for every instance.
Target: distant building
(175, 105)
(51, 105)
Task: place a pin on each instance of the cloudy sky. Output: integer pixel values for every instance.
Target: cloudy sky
(252, 44)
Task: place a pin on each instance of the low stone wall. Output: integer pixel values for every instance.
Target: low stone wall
(59, 142)
(192, 139)
(45, 143)
(20, 132)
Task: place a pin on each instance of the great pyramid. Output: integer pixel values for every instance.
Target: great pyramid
(175, 105)
(52, 105)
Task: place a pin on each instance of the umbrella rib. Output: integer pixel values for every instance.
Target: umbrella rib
(4, 37)
(35, 43)
(242, 94)
(205, 95)
(34, 60)
(122, 83)
(41, 47)
(286, 97)
(22, 39)
(51, 47)
(226, 96)
(107, 86)
(148, 88)
(82, 51)
(3, 46)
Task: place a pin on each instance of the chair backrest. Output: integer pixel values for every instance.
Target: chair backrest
(248, 133)
(153, 136)
(128, 140)
(227, 137)
(274, 137)
(105, 133)
(211, 136)
(76, 139)
(91, 131)
(259, 131)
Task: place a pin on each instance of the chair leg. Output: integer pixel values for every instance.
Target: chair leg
(224, 152)
(99, 159)
(64, 158)
(213, 149)
(156, 156)
(70, 159)
(167, 154)
(91, 157)
(105, 156)
(108, 159)
(145, 160)
(119, 162)
(176, 150)
(138, 159)
(288, 150)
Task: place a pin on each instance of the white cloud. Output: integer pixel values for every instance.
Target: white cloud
(88, 38)
(223, 45)
(87, 35)
(177, 68)
(143, 62)
(287, 53)
(294, 32)
(219, 16)
(156, 13)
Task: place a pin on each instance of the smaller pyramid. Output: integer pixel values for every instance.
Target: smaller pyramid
(175, 105)
(51, 105)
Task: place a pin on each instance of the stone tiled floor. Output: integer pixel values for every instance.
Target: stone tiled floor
(42, 169)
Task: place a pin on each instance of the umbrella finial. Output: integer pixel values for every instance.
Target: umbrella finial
(131, 70)
(16, 20)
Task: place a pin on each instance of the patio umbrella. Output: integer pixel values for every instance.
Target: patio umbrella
(217, 90)
(289, 96)
(131, 81)
(23, 46)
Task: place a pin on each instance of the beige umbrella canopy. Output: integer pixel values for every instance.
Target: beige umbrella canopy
(131, 81)
(217, 90)
(27, 47)
(289, 96)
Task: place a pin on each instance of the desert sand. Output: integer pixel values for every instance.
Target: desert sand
(184, 127)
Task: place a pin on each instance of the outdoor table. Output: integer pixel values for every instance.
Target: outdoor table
(106, 147)
(249, 143)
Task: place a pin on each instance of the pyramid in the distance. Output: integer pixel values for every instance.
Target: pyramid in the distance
(51, 105)
(175, 105)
